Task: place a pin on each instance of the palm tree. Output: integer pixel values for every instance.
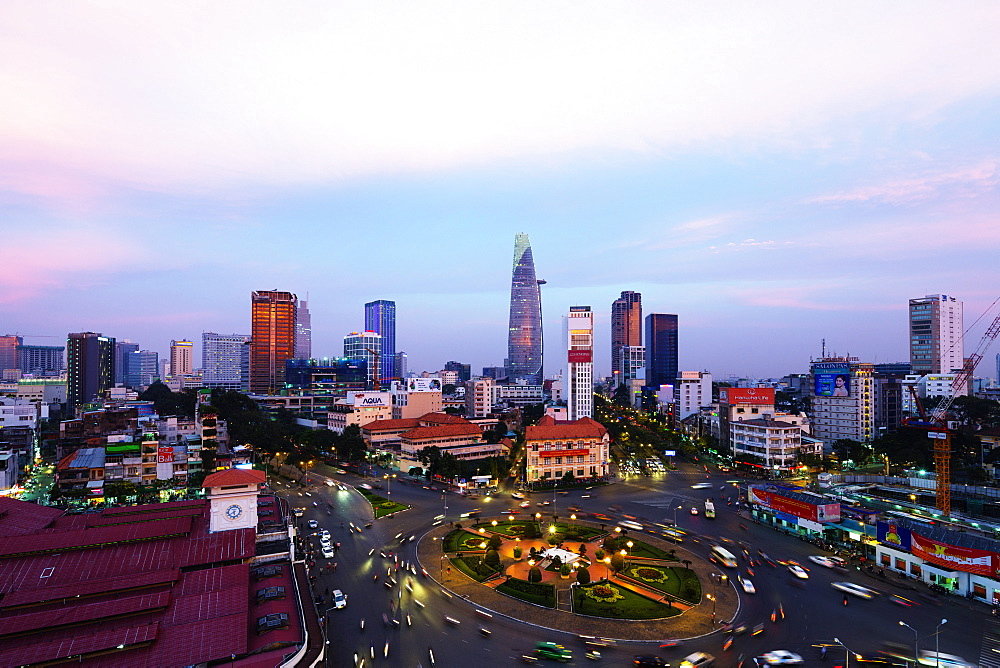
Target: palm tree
(687, 563)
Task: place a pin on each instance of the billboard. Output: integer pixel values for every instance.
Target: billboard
(423, 384)
(164, 454)
(580, 356)
(832, 379)
(372, 399)
(763, 396)
(893, 535)
(817, 512)
(964, 559)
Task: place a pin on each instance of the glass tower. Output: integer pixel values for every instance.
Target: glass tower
(524, 337)
(272, 339)
(380, 317)
(626, 328)
(661, 349)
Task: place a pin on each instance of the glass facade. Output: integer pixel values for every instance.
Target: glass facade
(327, 376)
(524, 338)
(272, 339)
(661, 349)
(225, 359)
(366, 346)
(626, 327)
(303, 330)
(90, 367)
(380, 317)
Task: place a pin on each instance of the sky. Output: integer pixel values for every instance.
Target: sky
(776, 173)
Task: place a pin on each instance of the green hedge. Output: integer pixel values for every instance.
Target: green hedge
(475, 568)
(537, 593)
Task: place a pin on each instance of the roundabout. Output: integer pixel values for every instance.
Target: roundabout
(580, 579)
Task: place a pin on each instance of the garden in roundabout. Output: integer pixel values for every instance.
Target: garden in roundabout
(599, 574)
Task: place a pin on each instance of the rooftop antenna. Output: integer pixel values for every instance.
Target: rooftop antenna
(824, 347)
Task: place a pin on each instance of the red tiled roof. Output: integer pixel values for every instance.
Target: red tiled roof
(93, 537)
(235, 477)
(156, 508)
(125, 581)
(442, 418)
(582, 428)
(443, 431)
(82, 613)
(63, 648)
(546, 421)
(390, 425)
(19, 518)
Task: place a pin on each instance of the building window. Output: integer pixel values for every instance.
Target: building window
(900, 564)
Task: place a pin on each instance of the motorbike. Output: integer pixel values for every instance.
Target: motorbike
(594, 655)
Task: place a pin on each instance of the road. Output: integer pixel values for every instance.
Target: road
(814, 613)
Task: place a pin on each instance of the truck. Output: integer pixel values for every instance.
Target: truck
(709, 509)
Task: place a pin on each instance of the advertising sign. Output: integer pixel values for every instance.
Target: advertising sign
(579, 356)
(669, 453)
(893, 535)
(423, 384)
(763, 396)
(564, 453)
(817, 512)
(164, 454)
(832, 379)
(964, 559)
(371, 399)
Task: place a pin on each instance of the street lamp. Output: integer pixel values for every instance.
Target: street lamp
(916, 642)
(675, 515)
(937, 643)
(607, 567)
(847, 664)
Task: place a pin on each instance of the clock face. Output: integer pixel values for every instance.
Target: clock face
(233, 512)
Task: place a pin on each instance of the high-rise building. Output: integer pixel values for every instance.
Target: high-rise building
(365, 346)
(181, 358)
(225, 360)
(272, 339)
(8, 351)
(631, 362)
(122, 350)
(303, 330)
(694, 390)
(661, 349)
(90, 367)
(401, 364)
(40, 360)
(464, 371)
(579, 331)
(843, 402)
(524, 336)
(936, 329)
(149, 367)
(626, 328)
(380, 317)
(334, 377)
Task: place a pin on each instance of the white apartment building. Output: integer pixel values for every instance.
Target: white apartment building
(694, 390)
(936, 329)
(518, 393)
(631, 364)
(479, 397)
(181, 358)
(579, 332)
(777, 442)
(225, 360)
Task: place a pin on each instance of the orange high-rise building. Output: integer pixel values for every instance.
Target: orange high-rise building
(272, 339)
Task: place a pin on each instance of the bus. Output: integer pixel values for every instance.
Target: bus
(709, 509)
(724, 557)
(628, 524)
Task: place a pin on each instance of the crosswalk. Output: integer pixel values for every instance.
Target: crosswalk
(989, 655)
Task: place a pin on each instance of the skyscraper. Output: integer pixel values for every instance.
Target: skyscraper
(380, 317)
(181, 358)
(936, 330)
(524, 337)
(365, 346)
(225, 360)
(303, 330)
(661, 349)
(626, 327)
(272, 339)
(579, 332)
(90, 367)
(122, 351)
(8, 351)
(41, 360)
(149, 367)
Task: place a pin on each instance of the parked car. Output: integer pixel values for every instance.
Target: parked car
(339, 599)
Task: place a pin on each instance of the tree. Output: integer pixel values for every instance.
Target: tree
(494, 542)
(686, 562)
(534, 574)
(449, 466)
(351, 446)
(564, 570)
(583, 575)
(600, 554)
(430, 456)
(849, 449)
(582, 550)
(568, 478)
(492, 559)
(518, 552)
(622, 397)
(448, 388)
(617, 562)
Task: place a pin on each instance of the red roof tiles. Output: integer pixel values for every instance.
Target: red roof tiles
(442, 431)
(235, 477)
(551, 430)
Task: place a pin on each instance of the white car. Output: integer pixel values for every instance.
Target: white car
(798, 571)
(781, 657)
(365, 485)
(821, 560)
(313, 524)
(339, 599)
(747, 586)
(701, 485)
(525, 504)
(517, 495)
(853, 589)
(328, 552)
(943, 660)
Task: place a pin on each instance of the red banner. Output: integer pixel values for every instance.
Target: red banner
(816, 512)
(761, 396)
(164, 454)
(577, 356)
(563, 453)
(964, 559)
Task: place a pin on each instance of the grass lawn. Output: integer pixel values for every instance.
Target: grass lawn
(461, 540)
(537, 593)
(618, 603)
(515, 529)
(473, 567)
(680, 582)
(640, 549)
(575, 532)
(382, 506)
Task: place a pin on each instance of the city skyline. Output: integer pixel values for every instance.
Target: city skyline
(774, 175)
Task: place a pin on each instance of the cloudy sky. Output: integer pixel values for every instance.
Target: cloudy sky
(774, 173)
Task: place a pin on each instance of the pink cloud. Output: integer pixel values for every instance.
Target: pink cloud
(968, 180)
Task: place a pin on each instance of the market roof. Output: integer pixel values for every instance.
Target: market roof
(235, 477)
(442, 431)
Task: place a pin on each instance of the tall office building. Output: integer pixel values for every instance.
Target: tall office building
(303, 330)
(40, 360)
(366, 346)
(90, 367)
(524, 336)
(661, 349)
(8, 351)
(579, 332)
(401, 365)
(181, 358)
(464, 371)
(631, 362)
(936, 330)
(225, 361)
(380, 317)
(122, 350)
(149, 367)
(272, 339)
(626, 328)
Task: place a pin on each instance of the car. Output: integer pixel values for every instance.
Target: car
(313, 524)
(328, 551)
(694, 511)
(517, 495)
(544, 503)
(853, 589)
(798, 571)
(525, 504)
(781, 657)
(339, 599)
(821, 560)
(365, 485)
(943, 660)
(747, 586)
(551, 650)
(648, 661)
(697, 660)
(324, 532)
(701, 485)
(330, 483)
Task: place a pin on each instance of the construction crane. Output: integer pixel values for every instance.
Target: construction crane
(375, 379)
(937, 422)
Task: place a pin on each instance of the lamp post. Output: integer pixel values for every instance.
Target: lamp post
(675, 515)
(937, 643)
(607, 568)
(847, 663)
(916, 642)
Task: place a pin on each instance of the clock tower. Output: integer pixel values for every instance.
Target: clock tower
(233, 497)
